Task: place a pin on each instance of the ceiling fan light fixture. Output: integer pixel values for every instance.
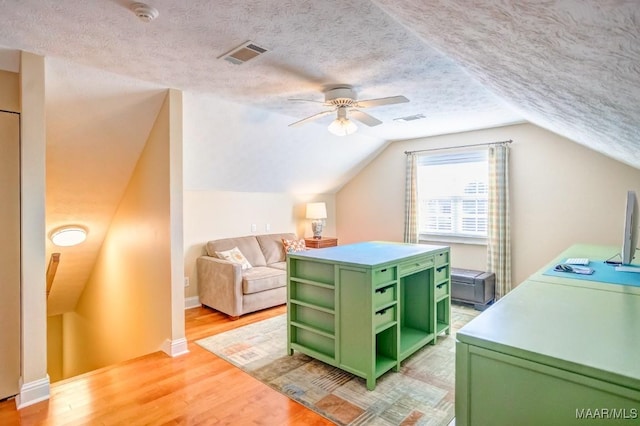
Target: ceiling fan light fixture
(342, 127)
(343, 98)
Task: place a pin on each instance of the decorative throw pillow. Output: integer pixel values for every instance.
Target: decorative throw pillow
(292, 246)
(234, 255)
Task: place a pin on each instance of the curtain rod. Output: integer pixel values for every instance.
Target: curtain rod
(459, 146)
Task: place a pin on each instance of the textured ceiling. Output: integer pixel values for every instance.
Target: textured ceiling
(571, 66)
(568, 66)
(310, 45)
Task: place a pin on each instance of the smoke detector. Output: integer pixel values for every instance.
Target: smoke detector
(144, 12)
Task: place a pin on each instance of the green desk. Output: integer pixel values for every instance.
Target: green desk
(365, 307)
(554, 351)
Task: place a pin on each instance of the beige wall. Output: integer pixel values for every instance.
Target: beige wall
(10, 253)
(35, 382)
(210, 215)
(10, 367)
(125, 310)
(9, 91)
(54, 348)
(176, 221)
(561, 194)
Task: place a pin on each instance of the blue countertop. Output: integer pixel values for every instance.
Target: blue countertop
(370, 253)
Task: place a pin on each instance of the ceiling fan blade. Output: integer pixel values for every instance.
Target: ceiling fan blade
(364, 118)
(381, 101)
(311, 118)
(305, 100)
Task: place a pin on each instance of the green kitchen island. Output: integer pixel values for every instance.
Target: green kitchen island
(365, 307)
(557, 350)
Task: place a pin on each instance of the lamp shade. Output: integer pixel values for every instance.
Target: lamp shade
(316, 211)
(67, 236)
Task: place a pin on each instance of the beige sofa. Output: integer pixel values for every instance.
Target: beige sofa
(226, 287)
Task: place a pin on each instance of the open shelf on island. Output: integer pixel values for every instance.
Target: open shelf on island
(313, 306)
(384, 364)
(440, 327)
(313, 318)
(411, 339)
(320, 343)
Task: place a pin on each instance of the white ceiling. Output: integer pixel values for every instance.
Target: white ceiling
(569, 66)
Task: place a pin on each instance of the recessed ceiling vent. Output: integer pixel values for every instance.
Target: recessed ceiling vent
(409, 118)
(243, 53)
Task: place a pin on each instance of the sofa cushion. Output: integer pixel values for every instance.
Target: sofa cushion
(262, 278)
(272, 247)
(234, 255)
(279, 265)
(247, 245)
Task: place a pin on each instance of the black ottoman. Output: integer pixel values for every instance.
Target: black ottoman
(475, 287)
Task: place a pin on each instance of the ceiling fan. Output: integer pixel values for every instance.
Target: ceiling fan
(342, 100)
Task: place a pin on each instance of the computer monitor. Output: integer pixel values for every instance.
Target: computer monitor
(631, 223)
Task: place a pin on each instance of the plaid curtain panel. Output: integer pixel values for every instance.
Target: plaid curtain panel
(499, 228)
(411, 201)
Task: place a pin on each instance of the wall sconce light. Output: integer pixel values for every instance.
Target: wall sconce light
(317, 212)
(67, 236)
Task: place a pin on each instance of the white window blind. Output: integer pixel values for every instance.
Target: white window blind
(453, 195)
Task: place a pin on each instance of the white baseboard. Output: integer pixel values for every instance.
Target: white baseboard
(175, 348)
(192, 302)
(33, 392)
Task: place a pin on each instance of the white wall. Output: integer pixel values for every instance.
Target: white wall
(561, 193)
(209, 215)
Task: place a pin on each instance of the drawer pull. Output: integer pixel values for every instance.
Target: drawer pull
(441, 268)
(440, 285)
(383, 270)
(382, 290)
(382, 312)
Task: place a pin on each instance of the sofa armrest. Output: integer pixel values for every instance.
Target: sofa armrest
(220, 285)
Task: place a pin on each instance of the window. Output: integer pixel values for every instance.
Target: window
(453, 196)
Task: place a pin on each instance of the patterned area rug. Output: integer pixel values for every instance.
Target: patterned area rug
(421, 393)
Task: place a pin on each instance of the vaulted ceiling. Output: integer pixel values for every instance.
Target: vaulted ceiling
(570, 66)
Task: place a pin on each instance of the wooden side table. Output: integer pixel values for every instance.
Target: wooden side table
(320, 243)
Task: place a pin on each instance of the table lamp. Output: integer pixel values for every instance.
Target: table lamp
(318, 213)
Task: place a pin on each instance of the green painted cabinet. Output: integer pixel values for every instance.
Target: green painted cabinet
(366, 307)
(554, 351)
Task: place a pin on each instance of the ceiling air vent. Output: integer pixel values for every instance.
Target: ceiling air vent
(409, 118)
(243, 53)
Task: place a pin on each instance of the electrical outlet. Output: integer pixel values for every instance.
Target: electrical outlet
(267, 227)
(253, 227)
(186, 281)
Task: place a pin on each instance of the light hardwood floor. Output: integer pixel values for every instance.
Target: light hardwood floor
(196, 388)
